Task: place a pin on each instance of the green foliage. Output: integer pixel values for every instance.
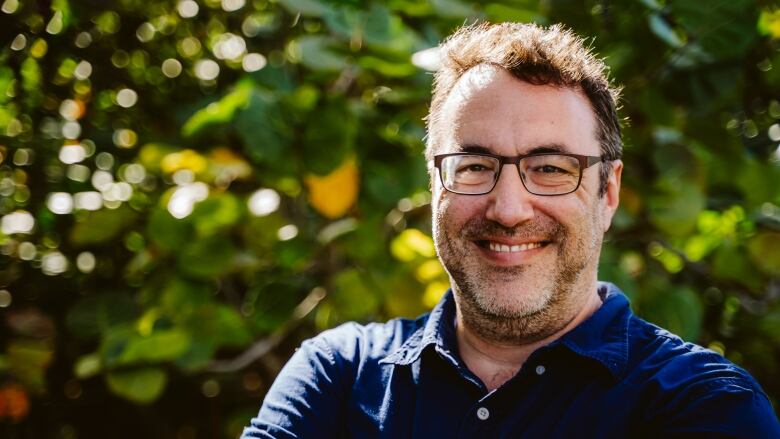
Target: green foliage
(186, 194)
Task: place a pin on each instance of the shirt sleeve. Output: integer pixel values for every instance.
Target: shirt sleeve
(721, 408)
(306, 400)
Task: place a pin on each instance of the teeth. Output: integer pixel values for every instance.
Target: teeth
(496, 247)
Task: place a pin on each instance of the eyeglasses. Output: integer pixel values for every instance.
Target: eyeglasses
(542, 174)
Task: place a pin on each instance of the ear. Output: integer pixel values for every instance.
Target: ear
(612, 195)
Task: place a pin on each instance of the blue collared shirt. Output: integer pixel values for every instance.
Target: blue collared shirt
(614, 375)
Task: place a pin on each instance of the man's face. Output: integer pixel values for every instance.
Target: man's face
(514, 256)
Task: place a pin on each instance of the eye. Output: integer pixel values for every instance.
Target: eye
(550, 169)
(473, 168)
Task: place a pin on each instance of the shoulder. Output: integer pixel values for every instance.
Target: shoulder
(355, 343)
(688, 388)
(658, 354)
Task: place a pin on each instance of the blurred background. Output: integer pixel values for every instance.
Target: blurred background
(188, 189)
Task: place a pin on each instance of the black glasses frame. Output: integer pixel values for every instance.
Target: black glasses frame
(585, 161)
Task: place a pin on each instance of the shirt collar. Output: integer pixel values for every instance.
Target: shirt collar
(603, 336)
(438, 330)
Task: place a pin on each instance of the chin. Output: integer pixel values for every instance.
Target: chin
(508, 300)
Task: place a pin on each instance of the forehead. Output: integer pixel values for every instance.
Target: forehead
(489, 107)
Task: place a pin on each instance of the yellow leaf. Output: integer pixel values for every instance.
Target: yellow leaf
(429, 270)
(184, 159)
(412, 243)
(433, 293)
(334, 194)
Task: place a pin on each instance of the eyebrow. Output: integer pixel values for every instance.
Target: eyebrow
(541, 149)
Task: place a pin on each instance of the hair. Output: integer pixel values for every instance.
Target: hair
(537, 55)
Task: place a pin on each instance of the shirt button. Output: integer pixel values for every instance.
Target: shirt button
(540, 369)
(483, 413)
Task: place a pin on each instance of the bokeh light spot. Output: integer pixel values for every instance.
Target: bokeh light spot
(101, 180)
(19, 43)
(71, 130)
(104, 161)
(78, 173)
(264, 202)
(427, 59)
(125, 138)
(187, 8)
(145, 32)
(206, 69)
(83, 40)
(17, 222)
(210, 388)
(60, 203)
(27, 251)
(54, 263)
(253, 62)
(171, 67)
(89, 200)
(232, 5)
(83, 70)
(5, 298)
(10, 6)
(287, 232)
(133, 173)
(85, 262)
(70, 154)
(774, 132)
(126, 97)
(70, 110)
(229, 46)
(184, 198)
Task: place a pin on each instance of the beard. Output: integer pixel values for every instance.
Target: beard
(519, 304)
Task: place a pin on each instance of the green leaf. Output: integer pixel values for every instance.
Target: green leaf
(724, 29)
(316, 52)
(219, 112)
(311, 8)
(142, 386)
(262, 128)
(159, 346)
(218, 212)
(101, 226)
(28, 362)
(675, 209)
(678, 310)
(453, 8)
(88, 366)
(764, 249)
(220, 325)
(498, 12)
(329, 137)
(207, 257)
(94, 314)
(168, 233)
(663, 30)
(352, 296)
(31, 82)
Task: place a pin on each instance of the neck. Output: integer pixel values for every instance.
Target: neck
(496, 361)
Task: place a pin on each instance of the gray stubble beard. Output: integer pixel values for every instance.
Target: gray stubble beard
(504, 326)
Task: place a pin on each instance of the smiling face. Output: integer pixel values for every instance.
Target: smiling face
(522, 266)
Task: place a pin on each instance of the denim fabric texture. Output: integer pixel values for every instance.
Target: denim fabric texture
(613, 376)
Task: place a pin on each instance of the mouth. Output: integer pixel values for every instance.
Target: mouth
(510, 248)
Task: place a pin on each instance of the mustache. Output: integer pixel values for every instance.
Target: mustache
(481, 228)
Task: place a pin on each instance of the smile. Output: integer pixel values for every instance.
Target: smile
(504, 248)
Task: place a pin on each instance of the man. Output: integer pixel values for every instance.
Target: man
(524, 145)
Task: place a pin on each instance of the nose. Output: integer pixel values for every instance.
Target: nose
(510, 203)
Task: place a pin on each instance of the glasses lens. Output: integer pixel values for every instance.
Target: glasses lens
(469, 174)
(550, 174)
